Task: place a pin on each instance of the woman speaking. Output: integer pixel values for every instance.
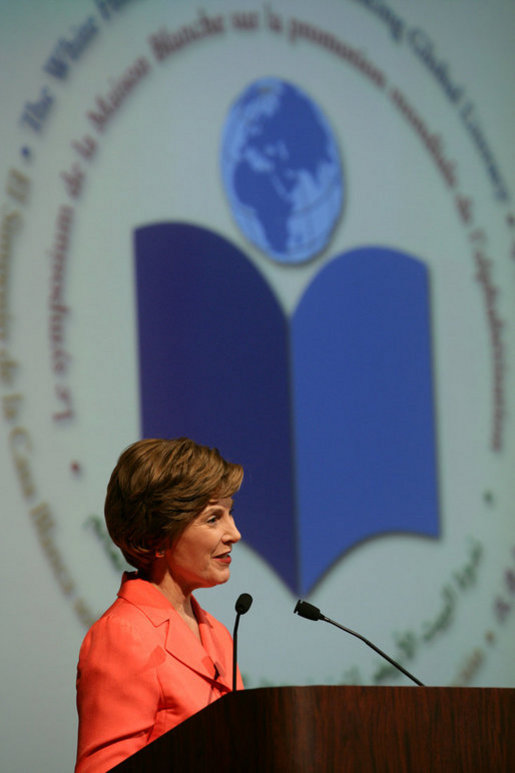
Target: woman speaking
(155, 657)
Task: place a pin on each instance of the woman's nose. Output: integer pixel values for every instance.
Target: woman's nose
(233, 534)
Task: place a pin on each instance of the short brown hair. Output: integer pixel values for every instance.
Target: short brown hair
(157, 488)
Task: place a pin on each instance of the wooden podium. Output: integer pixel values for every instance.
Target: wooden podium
(348, 729)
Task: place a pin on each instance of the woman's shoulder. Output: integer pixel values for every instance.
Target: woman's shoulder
(122, 621)
(121, 612)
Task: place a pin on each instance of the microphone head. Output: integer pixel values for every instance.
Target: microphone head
(304, 609)
(243, 603)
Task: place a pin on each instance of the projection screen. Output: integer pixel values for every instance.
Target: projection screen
(286, 230)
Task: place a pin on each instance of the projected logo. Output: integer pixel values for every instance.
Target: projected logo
(331, 410)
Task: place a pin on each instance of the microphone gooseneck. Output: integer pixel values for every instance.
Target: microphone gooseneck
(242, 606)
(310, 612)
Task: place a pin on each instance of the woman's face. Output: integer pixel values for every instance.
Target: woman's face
(201, 557)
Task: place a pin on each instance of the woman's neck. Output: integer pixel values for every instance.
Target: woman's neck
(180, 599)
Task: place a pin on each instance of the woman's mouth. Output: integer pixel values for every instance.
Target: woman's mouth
(224, 558)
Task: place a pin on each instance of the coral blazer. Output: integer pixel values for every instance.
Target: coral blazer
(142, 671)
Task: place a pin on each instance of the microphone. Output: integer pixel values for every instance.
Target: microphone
(310, 612)
(242, 606)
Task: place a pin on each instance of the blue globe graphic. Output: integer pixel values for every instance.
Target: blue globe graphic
(281, 170)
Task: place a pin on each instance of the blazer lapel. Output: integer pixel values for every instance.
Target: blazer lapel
(212, 646)
(180, 641)
(183, 645)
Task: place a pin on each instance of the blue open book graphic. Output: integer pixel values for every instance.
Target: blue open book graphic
(330, 412)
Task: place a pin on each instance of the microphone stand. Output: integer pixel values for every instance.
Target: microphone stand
(242, 606)
(310, 612)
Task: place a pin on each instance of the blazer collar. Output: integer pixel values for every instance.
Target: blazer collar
(206, 658)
